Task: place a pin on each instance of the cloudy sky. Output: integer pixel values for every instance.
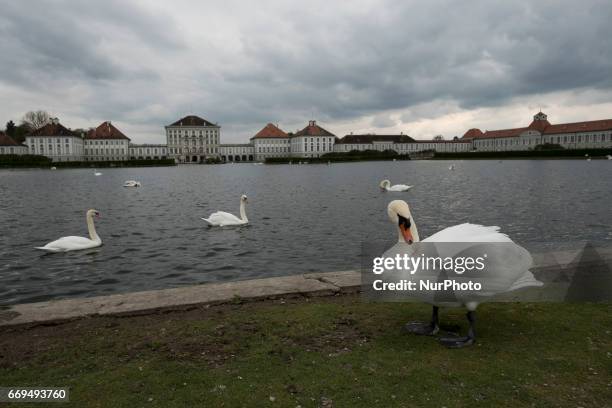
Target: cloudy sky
(424, 68)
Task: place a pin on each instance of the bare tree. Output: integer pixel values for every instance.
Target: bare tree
(438, 137)
(35, 119)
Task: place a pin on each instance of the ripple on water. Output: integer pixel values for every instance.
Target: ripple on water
(107, 281)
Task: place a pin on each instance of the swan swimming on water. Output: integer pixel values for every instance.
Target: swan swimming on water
(131, 183)
(222, 218)
(504, 276)
(72, 243)
(97, 173)
(385, 185)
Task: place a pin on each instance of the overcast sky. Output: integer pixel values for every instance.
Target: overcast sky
(424, 68)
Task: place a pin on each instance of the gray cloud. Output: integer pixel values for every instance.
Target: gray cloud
(244, 65)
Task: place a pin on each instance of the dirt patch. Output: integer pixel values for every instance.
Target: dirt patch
(197, 334)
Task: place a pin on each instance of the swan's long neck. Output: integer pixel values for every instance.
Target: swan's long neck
(93, 235)
(243, 215)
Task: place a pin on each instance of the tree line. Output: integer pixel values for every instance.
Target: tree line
(31, 121)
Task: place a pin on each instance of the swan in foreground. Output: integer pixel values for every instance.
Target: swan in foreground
(386, 186)
(222, 218)
(131, 183)
(76, 243)
(507, 267)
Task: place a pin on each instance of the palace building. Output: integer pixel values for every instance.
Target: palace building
(56, 142)
(271, 141)
(106, 143)
(9, 146)
(540, 132)
(193, 139)
(312, 141)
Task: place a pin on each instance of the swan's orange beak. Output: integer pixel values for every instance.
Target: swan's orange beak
(406, 234)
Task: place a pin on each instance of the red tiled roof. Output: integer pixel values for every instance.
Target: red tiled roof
(544, 127)
(106, 131)
(6, 140)
(270, 131)
(590, 126)
(356, 139)
(313, 130)
(192, 120)
(539, 125)
(503, 133)
(472, 134)
(53, 129)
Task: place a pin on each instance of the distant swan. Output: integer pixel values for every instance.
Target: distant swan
(222, 218)
(97, 173)
(131, 183)
(386, 186)
(76, 243)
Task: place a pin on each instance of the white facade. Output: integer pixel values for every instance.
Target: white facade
(237, 152)
(582, 135)
(106, 150)
(148, 151)
(20, 149)
(346, 145)
(193, 139)
(271, 147)
(312, 141)
(56, 142)
(9, 146)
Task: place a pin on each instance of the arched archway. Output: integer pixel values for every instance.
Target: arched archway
(237, 158)
(244, 157)
(250, 157)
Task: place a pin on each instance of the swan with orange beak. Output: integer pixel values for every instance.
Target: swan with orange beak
(503, 276)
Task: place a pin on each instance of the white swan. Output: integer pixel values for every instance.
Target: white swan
(53, 168)
(131, 183)
(97, 173)
(504, 276)
(76, 243)
(222, 218)
(386, 186)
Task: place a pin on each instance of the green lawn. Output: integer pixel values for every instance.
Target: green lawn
(322, 352)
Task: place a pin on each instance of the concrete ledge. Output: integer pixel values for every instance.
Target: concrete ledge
(320, 284)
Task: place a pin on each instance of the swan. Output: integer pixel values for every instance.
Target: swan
(222, 218)
(385, 185)
(131, 183)
(504, 276)
(65, 244)
(97, 173)
(53, 168)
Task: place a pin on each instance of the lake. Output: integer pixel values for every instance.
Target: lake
(303, 218)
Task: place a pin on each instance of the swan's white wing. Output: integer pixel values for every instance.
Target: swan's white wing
(399, 187)
(468, 233)
(221, 218)
(69, 244)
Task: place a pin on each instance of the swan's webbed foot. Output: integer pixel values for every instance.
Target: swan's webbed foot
(424, 329)
(458, 342)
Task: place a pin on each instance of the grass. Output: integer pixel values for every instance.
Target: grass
(334, 351)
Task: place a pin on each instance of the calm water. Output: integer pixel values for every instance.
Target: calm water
(303, 218)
